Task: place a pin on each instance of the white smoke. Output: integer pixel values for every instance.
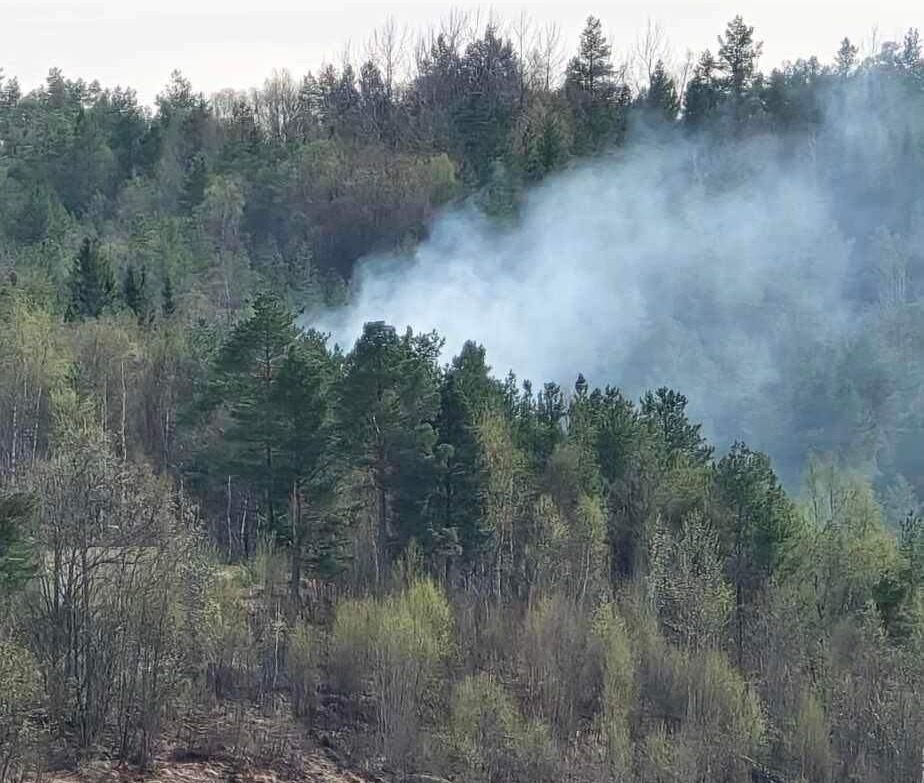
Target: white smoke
(715, 270)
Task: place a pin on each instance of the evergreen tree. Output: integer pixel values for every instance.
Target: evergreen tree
(387, 400)
(704, 92)
(596, 99)
(195, 182)
(17, 559)
(483, 118)
(661, 98)
(467, 394)
(167, 302)
(92, 284)
(757, 525)
(243, 383)
(738, 56)
(591, 71)
(135, 294)
(664, 411)
(299, 402)
(846, 59)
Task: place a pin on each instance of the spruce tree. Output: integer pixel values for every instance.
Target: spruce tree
(135, 294)
(704, 92)
(92, 284)
(661, 99)
(167, 301)
(17, 562)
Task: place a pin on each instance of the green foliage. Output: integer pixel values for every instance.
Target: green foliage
(399, 645)
(491, 740)
(505, 582)
(687, 582)
(17, 555)
(596, 97)
(20, 694)
(92, 285)
(135, 294)
(303, 668)
(617, 689)
(387, 400)
(661, 99)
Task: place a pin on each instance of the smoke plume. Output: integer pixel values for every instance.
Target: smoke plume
(743, 274)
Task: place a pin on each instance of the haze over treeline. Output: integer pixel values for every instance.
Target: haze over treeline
(226, 534)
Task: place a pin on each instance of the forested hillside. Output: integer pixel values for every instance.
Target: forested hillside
(224, 536)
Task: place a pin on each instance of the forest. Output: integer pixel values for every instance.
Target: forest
(227, 533)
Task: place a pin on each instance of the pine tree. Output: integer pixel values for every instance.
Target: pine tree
(243, 382)
(92, 284)
(592, 90)
(467, 394)
(299, 402)
(483, 117)
(664, 411)
(756, 526)
(592, 71)
(846, 59)
(387, 400)
(738, 56)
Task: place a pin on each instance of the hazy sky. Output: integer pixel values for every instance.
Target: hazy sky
(236, 43)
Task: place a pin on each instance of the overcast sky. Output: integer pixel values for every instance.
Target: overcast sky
(236, 43)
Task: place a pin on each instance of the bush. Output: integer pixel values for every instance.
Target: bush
(228, 644)
(491, 741)
(617, 688)
(396, 646)
(19, 694)
(557, 670)
(302, 667)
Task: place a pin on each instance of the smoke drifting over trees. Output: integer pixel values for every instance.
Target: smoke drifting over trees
(686, 543)
(748, 269)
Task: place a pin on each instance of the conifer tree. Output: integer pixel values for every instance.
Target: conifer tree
(466, 395)
(92, 285)
(757, 524)
(591, 71)
(596, 98)
(661, 98)
(387, 401)
(16, 556)
(135, 294)
(243, 382)
(167, 301)
(846, 58)
(704, 92)
(738, 56)
(301, 425)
